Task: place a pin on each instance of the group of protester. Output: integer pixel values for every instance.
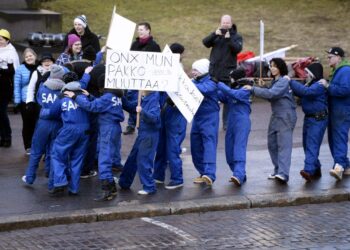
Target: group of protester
(70, 117)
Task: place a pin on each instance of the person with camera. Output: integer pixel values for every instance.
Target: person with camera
(8, 63)
(225, 43)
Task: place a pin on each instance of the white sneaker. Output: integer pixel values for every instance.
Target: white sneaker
(271, 176)
(337, 171)
(143, 192)
(207, 180)
(28, 151)
(346, 171)
(158, 181)
(280, 178)
(24, 179)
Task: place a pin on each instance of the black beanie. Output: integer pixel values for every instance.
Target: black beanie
(317, 70)
(70, 77)
(237, 73)
(89, 53)
(177, 48)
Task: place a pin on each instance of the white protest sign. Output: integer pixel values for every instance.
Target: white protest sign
(121, 32)
(142, 70)
(188, 98)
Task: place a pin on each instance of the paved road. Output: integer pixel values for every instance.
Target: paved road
(323, 226)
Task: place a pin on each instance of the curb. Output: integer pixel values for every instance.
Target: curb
(172, 208)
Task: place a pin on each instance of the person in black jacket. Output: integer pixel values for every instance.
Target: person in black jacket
(144, 42)
(226, 43)
(82, 30)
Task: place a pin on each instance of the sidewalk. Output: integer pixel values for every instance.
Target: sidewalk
(23, 207)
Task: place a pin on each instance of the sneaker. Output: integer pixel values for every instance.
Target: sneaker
(183, 150)
(173, 185)
(24, 179)
(235, 180)
(90, 174)
(207, 180)
(346, 171)
(144, 192)
(280, 178)
(271, 176)
(337, 172)
(129, 130)
(28, 151)
(198, 180)
(57, 192)
(158, 181)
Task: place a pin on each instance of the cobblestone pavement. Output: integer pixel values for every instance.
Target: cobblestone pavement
(323, 226)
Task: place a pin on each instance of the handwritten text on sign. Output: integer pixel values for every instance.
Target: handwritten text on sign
(142, 70)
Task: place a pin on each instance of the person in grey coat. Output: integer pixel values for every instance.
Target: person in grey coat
(282, 121)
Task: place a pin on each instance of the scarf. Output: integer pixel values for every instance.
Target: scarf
(144, 40)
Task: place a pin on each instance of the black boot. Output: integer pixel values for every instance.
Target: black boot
(129, 130)
(109, 191)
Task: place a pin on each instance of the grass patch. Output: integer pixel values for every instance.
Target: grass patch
(314, 25)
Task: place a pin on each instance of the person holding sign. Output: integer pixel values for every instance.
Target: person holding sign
(204, 132)
(141, 157)
(144, 42)
(172, 134)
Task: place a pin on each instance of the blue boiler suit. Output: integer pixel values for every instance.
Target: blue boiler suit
(282, 123)
(205, 128)
(339, 114)
(45, 131)
(238, 129)
(110, 115)
(171, 136)
(313, 102)
(141, 158)
(70, 144)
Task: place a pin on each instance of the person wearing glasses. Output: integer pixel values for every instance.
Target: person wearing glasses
(339, 111)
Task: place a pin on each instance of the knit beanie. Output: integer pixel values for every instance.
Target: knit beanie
(177, 48)
(72, 38)
(201, 65)
(46, 56)
(82, 20)
(237, 73)
(70, 77)
(89, 53)
(56, 72)
(316, 71)
(72, 86)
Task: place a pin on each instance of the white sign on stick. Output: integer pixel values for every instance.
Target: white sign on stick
(121, 32)
(142, 70)
(188, 98)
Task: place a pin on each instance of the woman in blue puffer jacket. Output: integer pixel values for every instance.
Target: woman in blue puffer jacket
(22, 77)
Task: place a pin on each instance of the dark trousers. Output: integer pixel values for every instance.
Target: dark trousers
(5, 128)
(29, 118)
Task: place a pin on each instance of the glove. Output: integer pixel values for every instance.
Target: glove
(30, 107)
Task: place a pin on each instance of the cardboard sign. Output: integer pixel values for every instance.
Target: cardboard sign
(121, 31)
(142, 70)
(188, 98)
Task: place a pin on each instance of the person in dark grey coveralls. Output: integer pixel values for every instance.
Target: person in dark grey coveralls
(282, 121)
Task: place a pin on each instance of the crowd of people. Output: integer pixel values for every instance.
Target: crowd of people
(71, 119)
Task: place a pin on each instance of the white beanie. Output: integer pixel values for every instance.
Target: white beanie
(201, 65)
(82, 20)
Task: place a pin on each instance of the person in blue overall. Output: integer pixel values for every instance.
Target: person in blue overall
(282, 121)
(110, 115)
(205, 126)
(141, 157)
(238, 127)
(70, 143)
(46, 129)
(314, 104)
(172, 134)
(339, 111)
